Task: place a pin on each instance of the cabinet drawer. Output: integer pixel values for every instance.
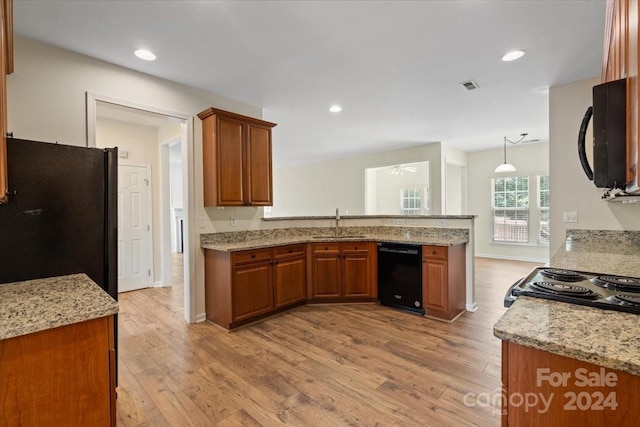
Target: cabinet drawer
(244, 257)
(436, 252)
(318, 248)
(355, 247)
(289, 251)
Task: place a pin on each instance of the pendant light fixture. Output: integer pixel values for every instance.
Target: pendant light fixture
(508, 167)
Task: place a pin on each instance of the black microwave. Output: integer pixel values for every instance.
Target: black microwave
(609, 113)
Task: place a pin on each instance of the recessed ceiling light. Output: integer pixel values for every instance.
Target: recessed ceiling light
(513, 55)
(335, 108)
(145, 54)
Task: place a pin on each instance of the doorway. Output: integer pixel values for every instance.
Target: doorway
(167, 126)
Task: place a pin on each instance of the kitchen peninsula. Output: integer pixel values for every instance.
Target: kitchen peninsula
(57, 352)
(551, 348)
(283, 267)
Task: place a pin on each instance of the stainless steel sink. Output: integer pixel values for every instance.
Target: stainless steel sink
(340, 236)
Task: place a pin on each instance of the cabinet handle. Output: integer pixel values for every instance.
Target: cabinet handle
(253, 256)
(433, 252)
(356, 248)
(326, 248)
(290, 250)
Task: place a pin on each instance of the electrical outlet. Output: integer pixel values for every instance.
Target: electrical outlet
(570, 217)
(442, 222)
(400, 221)
(413, 222)
(232, 221)
(391, 221)
(202, 222)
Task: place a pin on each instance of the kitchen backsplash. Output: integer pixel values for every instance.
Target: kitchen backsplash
(611, 237)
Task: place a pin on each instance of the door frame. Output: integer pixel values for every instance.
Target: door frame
(148, 170)
(191, 241)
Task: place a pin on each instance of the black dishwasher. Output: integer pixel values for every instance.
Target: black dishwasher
(400, 276)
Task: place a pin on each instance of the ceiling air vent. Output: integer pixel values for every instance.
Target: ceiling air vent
(470, 85)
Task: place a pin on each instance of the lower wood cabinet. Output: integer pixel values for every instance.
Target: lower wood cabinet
(63, 376)
(444, 281)
(343, 271)
(289, 281)
(243, 286)
(252, 290)
(545, 389)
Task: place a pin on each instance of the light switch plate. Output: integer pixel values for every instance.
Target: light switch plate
(570, 217)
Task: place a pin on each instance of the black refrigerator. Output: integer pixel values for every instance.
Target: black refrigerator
(61, 217)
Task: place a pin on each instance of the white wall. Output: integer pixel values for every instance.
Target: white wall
(319, 188)
(571, 191)
(530, 160)
(141, 142)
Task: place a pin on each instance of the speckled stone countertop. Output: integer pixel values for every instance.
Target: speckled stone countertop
(286, 218)
(603, 337)
(244, 240)
(41, 304)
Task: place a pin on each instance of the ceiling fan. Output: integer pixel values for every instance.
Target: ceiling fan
(401, 169)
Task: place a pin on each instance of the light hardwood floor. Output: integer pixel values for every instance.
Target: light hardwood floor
(322, 365)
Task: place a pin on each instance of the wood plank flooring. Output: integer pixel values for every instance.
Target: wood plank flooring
(322, 365)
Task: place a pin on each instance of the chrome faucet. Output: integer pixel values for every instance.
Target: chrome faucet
(337, 221)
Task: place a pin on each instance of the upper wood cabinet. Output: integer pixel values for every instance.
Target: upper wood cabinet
(236, 153)
(6, 65)
(620, 60)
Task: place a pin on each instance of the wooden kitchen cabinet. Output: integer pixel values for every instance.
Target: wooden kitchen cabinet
(620, 60)
(236, 152)
(6, 67)
(443, 281)
(63, 376)
(246, 285)
(326, 269)
(289, 275)
(356, 270)
(342, 271)
(252, 290)
(570, 400)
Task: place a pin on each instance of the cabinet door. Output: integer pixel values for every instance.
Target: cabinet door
(252, 290)
(289, 281)
(3, 102)
(230, 161)
(355, 276)
(326, 275)
(258, 172)
(435, 280)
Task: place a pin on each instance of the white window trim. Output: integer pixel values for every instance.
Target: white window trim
(534, 214)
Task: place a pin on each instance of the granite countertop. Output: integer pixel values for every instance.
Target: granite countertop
(286, 218)
(602, 337)
(237, 241)
(41, 304)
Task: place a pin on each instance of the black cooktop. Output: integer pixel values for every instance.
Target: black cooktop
(604, 291)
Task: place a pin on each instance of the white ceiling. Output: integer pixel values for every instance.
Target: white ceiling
(394, 66)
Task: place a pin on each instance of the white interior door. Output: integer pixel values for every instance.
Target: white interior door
(134, 228)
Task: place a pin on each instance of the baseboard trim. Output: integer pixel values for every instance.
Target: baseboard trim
(472, 307)
(201, 317)
(512, 258)
(159, 284)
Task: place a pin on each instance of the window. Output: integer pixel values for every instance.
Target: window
(543, 209)
(510, 200)
(410, 201)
